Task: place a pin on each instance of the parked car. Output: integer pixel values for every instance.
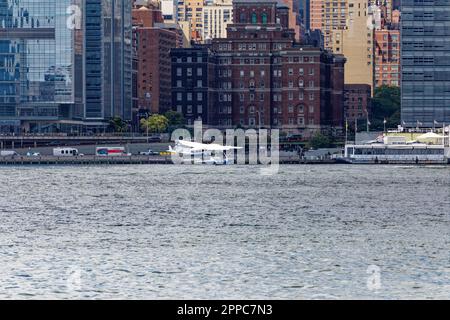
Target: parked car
(154, 139)
(33, 154)
(150, 152)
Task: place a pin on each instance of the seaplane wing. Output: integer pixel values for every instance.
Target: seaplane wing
(195, 146)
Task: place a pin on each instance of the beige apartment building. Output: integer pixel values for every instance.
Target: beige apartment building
(192, 10)
(216, 18)
(348, 29)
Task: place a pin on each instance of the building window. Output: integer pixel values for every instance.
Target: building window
(254, 18)
(199, 96)
(243, 17)
(179, 72)
(199, 72)
(179, 96)
(291, 96)
(264, 18)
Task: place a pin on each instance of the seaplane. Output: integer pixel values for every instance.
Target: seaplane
(201, 153)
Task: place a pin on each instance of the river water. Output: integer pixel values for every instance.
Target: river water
(200, 232)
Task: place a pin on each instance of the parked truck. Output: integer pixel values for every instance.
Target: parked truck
(111, 152)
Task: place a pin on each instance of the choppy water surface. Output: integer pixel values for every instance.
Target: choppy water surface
(156, 232)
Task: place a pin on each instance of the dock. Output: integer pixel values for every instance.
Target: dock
(125, 160)
(84, 160)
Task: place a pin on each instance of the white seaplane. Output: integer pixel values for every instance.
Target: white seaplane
(201, 153)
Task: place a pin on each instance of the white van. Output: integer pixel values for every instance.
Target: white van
(8, 153)
(65, 152)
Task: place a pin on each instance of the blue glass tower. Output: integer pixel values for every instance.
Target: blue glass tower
(425, 62)
(64, 63)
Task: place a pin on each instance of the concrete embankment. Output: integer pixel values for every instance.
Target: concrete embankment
(85, 160)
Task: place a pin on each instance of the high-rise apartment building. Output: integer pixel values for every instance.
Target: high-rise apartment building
(348, 29)
(217, 15)
(66, 63)
(387, 57)
(192, 11)
(153, 41)
(425, 58)
(356, 44)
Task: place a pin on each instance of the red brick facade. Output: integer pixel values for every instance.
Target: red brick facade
(387, 57)
(153, 45)
(357, 102)
(264, 79)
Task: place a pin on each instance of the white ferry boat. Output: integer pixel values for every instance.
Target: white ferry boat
(396, 150)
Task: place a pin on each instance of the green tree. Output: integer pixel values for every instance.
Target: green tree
(386, 105)
(118, 125)
(175, 119)
(155, 123)
(319, 141)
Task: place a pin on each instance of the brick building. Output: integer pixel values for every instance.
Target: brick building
(263, 78)
(357, 102)
(152, 43)
(387, 57)
(193, 76)
(387, 51)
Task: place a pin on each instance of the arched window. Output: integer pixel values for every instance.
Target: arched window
(254, 18)
(264, 18)
(251, 110)
(243, 17)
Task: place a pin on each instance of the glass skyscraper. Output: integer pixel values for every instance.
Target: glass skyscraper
(64, 62)
(425, 62)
